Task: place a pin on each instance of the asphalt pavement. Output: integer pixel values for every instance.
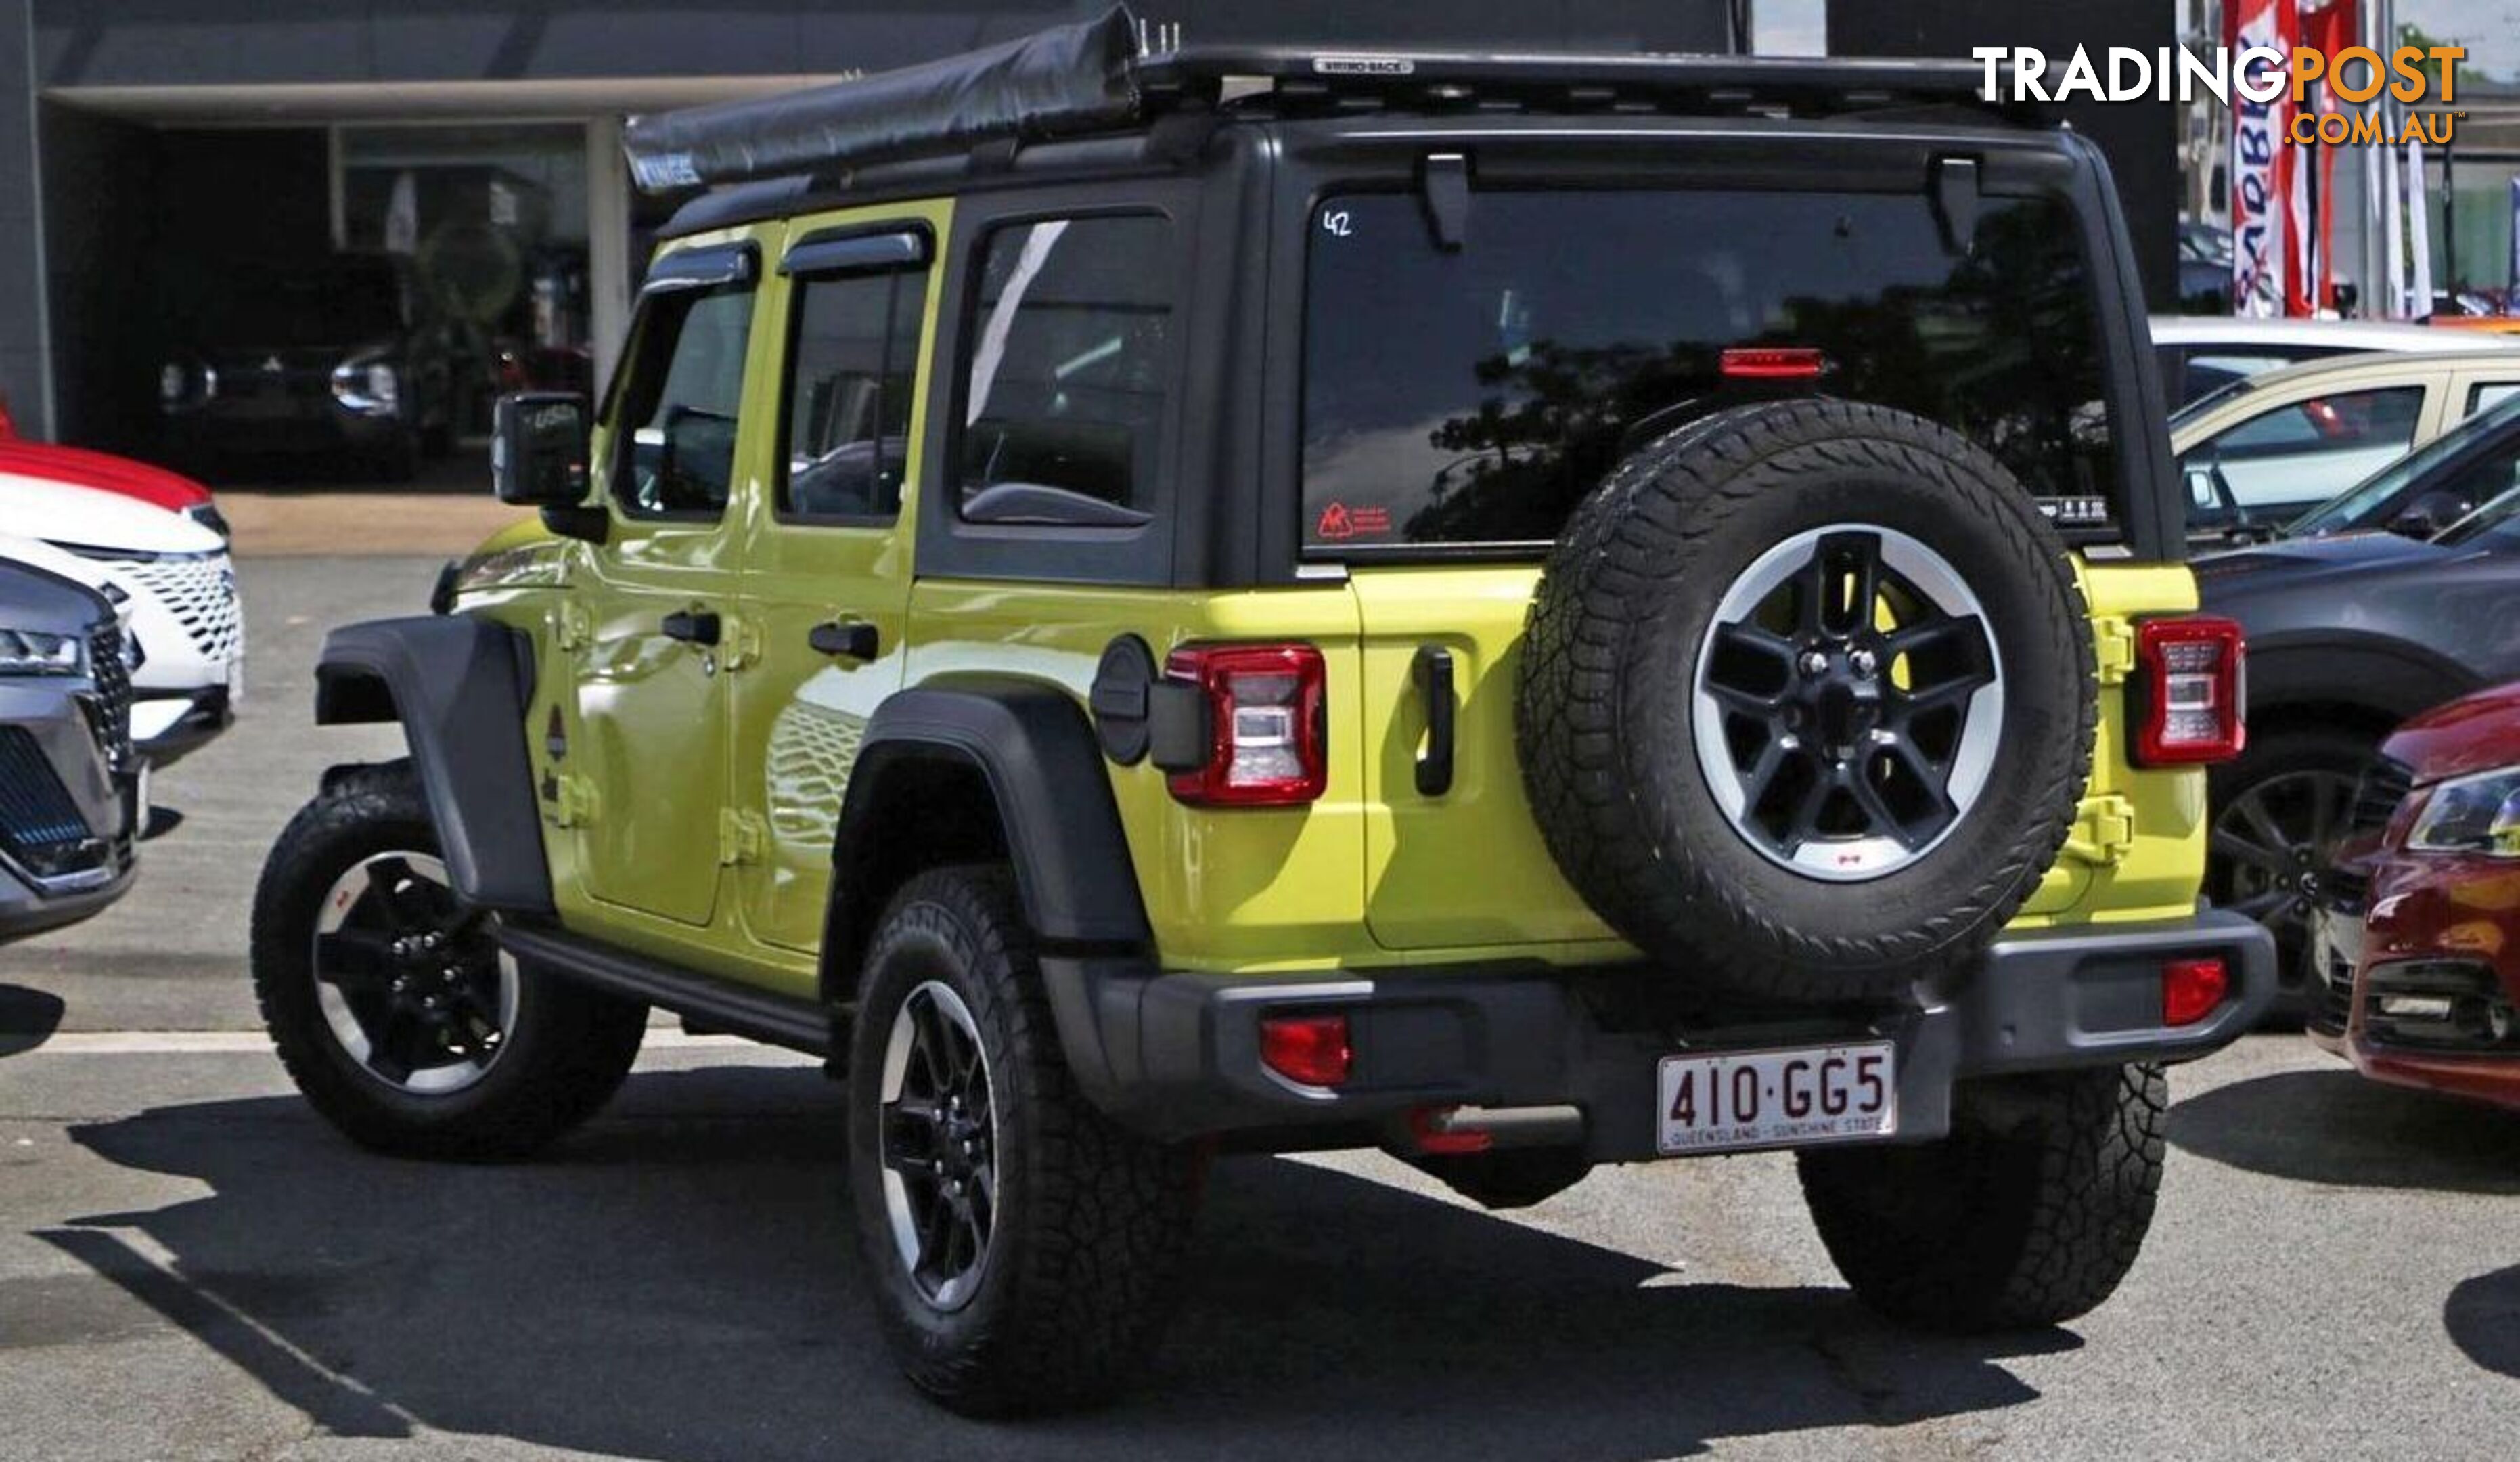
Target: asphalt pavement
(193, 1267)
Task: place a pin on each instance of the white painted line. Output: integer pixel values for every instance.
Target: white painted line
(151, 1042)
(255, 1042)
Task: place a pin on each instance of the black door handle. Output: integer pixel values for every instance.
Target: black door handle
(1432, 670)
(854, 639)
(693, 626)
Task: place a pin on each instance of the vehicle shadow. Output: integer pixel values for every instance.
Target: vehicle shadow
(2336, 1127)
(27, 1018)
(680, 1281)
(2483, 1318)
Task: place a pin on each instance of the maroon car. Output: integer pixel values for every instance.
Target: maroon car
(2419, 934)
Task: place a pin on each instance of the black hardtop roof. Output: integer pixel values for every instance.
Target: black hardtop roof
(1092, 79)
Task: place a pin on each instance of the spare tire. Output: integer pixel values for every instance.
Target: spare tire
(1807, 703)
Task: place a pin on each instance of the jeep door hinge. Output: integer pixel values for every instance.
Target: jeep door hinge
(2114, 640)
(568, 801)
(2103, 830)
(740, 645)
(741, 833)
(571, 626)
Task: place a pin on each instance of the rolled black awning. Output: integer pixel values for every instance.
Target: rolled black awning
(1072, 78)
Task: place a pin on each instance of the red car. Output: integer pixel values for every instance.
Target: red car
(2419, 937)
(172, 491)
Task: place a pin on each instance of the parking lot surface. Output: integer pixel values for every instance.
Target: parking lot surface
(192, 1265)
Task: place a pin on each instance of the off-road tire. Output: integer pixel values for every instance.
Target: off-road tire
(1090, 1222)
(2029, 1213)
(1604, 699)
(564, 1054)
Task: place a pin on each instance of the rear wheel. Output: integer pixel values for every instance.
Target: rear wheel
(391, 1004)
(2029, 1213)
(1022, 1248)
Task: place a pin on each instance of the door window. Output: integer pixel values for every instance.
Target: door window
(855, 353)
(675, 422)
(2308, 451)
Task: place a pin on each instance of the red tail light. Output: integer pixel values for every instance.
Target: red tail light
(2189, 688)
(2192, 989)
(1265, 725)
(1307, 1050)
(1772, 363)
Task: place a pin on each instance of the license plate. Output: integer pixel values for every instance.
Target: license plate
(1730, 1100)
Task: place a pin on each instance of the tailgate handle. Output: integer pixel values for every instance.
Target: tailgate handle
(1432, 672)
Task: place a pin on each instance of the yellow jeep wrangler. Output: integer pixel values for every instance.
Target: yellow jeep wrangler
(1526, 612)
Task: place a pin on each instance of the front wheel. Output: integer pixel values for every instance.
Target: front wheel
(393, 1007)
(2029, 1213)
(1021, 1246)
(2276, 810)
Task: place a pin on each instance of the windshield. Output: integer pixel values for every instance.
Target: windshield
(1474, 396)
(2359, 506)
(345, 301)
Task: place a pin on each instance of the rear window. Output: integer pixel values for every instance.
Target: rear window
(1472, 397)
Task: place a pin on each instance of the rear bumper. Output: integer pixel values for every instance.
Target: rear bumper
(1177, 1054)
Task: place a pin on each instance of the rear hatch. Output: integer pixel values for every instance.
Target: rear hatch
(1460, 401)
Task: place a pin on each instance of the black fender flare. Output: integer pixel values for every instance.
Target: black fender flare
(1035, 747)
(459, 685)
(2390, 676)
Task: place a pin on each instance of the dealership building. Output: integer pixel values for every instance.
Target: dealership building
(152, 149)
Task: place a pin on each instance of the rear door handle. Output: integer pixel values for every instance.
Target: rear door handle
(1432, 672)
(850, 639)
(693, 626)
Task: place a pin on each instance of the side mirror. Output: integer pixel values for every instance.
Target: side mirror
(2428, 515)
(539, 448)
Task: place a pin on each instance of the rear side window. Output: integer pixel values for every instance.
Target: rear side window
(1069, 377)
(1474, 398)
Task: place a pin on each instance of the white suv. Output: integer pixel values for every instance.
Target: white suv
(180, 587)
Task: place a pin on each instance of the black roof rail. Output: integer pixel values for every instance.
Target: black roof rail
(1092, 77)
(1574, 82)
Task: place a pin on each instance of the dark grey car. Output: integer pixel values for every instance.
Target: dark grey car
(2348, 636)
(70, 796)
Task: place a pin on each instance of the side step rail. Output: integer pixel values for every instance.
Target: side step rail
(701, 999)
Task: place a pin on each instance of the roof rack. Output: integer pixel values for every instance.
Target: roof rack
(1093, 77)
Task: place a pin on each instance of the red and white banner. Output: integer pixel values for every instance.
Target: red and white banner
(2263, 230)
